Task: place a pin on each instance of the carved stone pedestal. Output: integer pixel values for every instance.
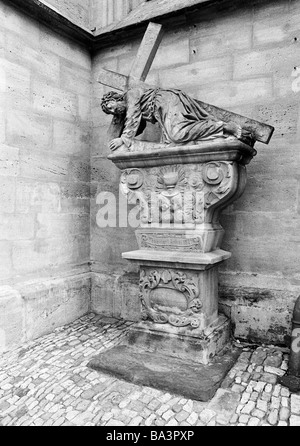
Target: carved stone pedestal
(179, 299)
(181, 192)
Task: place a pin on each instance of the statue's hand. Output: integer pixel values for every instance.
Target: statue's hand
(115, 143)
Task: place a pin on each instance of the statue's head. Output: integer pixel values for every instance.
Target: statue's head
(113, 103)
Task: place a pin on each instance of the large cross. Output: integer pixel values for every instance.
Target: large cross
(138, 72)
(141, 66)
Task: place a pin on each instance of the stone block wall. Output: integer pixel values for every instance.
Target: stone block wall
(94, 14)
(45, 139)
(106, 12)
(78, 11)
(243, 57)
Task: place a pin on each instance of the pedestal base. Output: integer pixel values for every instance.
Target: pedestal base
(190, 380)
(172, 360)
(181, 343)
(181, 190)
(179, 289)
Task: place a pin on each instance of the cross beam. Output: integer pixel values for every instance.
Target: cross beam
(112, 79)
(141, 66)
(146, 53)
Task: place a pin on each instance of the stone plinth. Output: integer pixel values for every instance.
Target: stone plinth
(192, 346)
(181, 191)
(179, 291)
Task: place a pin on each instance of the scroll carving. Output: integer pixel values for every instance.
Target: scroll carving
(176, 193)
(162, 312)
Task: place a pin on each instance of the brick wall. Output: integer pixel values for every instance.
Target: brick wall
(244, 58)
(44, 178)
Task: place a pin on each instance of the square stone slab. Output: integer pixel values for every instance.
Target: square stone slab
(191, 380)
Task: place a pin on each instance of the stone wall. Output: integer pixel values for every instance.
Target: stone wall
(44, 179)
(244, 58)
(106, 12)
(78, 11)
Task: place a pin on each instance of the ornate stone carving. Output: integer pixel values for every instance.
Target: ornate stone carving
(219, 175)
(178, 194)
(171, 178)
(131, 179)
(169, 286)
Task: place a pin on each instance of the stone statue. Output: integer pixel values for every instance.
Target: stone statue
(182, 185)
(182, 119)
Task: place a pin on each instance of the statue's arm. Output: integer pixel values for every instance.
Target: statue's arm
(133, 116)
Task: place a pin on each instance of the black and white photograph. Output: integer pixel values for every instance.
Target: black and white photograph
(150, 216)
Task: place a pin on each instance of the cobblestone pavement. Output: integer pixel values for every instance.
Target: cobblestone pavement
(47, 383)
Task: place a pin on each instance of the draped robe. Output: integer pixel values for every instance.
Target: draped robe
(181, 118)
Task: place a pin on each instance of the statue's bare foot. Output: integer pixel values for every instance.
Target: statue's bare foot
(233, 129)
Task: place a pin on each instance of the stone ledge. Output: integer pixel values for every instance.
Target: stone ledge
(149, 154)
(174, 259)
(33, 308)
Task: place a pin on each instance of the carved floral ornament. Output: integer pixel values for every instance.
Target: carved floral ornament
(184, 192)
(175, 281)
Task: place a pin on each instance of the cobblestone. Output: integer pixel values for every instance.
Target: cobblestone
(276, 391)
(244, 418)
(254, 396)
(273, 417)
(253, 421)
(257, 413)
(282, 423)
(207, 415)
(172, 422)
(285, 401)
(181, 416)
(237, 388)
(46, 382)
(167, 415)
(234, 419)
(266, 396)
(192, 419)
(295, 404)
(294, 420)
(245, 398)
(268, 388)
(284, 414)
(284, 392)
(248, 407)
(275, 402)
